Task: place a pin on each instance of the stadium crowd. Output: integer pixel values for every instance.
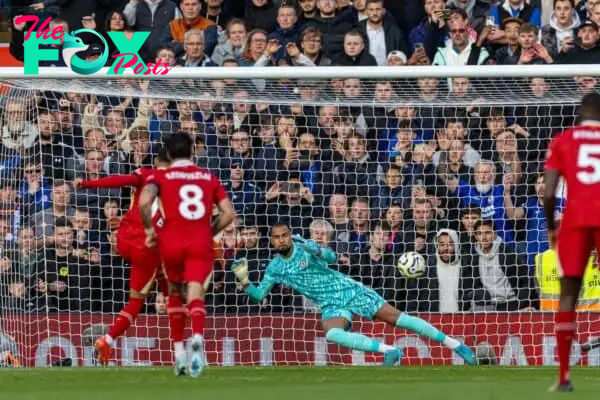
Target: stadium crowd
(460, 184)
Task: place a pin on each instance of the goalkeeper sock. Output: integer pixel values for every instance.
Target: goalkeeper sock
(125, 318)
(177, 318)
(355, 341)
(197, 311)
(564, 326)
(424, 328)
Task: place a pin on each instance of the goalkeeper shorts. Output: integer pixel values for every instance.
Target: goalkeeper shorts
(365, 304)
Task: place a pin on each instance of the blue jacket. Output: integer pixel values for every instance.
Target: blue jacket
(284, 36)
(248, 199)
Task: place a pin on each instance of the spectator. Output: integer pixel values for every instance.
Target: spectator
(510, 52)
(86, 237)
(191, 19)
(394, 221)
(391, 191)
(564, 22)
(354, 53)
(308, 11)
(216, 13)
(522, 9)
(296, 207)
(338, 218)
(532, 52)
(507, 156)
(256, 44)
(114, 277)
(116, 21)
(450, 273)
(193, 45)
(461, 49)
(503, 281)
(27, 256)
(92, 198)
(484, 194)
(233, 45)
(476, 10)
(286, 31)
(469, 216)
(355, 173)
(17, 132)
(455, 128)
(247, 199)
(532, 211)
(166, 55)
(382, 35)
(43, 220)
(58, 159)
(260, 14)
(452, 161)
(422, 34)
(585, 50)
(64, 282)
(18, 38)
(358, 229)
(35, 191)
(311, 40)
(334, 26)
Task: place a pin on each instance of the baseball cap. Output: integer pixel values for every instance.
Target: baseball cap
(589, 23)
(399, 54)
(94, 50)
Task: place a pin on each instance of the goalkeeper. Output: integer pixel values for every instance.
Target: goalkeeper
(303, 265)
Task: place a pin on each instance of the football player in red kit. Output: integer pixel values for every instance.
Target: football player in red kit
(573, 155)
(145, 263)
(187, 194)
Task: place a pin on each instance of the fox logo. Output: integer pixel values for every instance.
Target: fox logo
(73, 45)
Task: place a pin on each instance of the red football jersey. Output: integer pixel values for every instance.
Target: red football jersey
(575, 153)
(187, 195)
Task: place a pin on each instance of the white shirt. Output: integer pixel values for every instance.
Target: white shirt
(377, 45)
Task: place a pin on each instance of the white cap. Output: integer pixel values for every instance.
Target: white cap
(399, 54)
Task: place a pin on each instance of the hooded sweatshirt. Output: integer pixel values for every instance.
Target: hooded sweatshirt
(449, 274)
(552, 36)
(492, 275)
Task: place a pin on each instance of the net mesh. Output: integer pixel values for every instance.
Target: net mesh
(373, 168)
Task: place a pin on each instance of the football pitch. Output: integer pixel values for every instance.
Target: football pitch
(287, 383)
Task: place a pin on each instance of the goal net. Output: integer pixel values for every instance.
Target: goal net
(374, 164)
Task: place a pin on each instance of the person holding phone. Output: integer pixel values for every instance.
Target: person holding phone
(584, 48)
(293, 202)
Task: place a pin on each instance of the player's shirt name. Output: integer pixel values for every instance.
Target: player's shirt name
(586, 134)
(190, 176)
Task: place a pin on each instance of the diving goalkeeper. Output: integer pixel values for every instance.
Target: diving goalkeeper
(303, 265)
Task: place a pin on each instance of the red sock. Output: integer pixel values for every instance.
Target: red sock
(564, 326)
(176, 318)
(126, 317)
(163, 285)
(197, 312)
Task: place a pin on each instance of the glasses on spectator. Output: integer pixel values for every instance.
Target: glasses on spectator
(259, 40)
(455, 31)
(33, 171)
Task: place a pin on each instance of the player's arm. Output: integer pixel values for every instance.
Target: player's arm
(226, 210)
(147, 197)
(315, 249)
(112, 181)
(256, 293)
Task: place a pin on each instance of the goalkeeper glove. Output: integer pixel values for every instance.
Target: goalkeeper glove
(309, 245)
(240, 270)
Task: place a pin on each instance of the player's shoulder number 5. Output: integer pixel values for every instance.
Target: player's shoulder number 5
(191, 206)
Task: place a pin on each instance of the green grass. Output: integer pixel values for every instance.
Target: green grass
(285, 383)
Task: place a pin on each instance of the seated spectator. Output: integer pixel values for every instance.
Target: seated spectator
(58, 159)
(338, 218)
(564, 22)
(421, 35)
(114, 277)
(358, 229)
(510, 52)
(532, 52)
(354, 54)
(308, 11)
(311, 40)
(43, 220)
(86, 236)
(292, 202)
(532, 210)
(193, 45)
(485, 195)
(334, 25)
(522, 9)
(389, 192)
(452, 161)
(166, 55)
(477, 11)
(381, 33)
(455, 128)
(461, 49)
(286, 30)
(92, 198)
(233, 44)
(585, 50)
(14, 296)
(356, 172)
(27, 256)
(450, 273)
(469, 216)
(260, 14)
(140, 155)
(191, 18)
(256, 44)
(17, 132)
(216, 13)
(18, 39)
(239, 148)
(394, 224)
(64, 282)
(35, 190)
(507, 158)
(502, 278)
(247, 199)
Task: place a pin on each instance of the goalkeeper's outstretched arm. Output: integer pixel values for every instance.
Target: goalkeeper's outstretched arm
(315, 249)
(256, 293)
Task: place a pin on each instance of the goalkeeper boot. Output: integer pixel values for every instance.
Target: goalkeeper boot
(102, 350)
(197, 359)
(466, 354)
(562, 387)
(392, 357)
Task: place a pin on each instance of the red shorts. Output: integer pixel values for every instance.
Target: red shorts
(184, 260)
(145, 262)
(574, 249)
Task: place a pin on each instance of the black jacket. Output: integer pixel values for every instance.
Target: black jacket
(362, 60)
(263, 18)
(577, 55)
(394, 38)
(334, 29)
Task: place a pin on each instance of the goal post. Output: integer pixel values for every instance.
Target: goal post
(375, 162)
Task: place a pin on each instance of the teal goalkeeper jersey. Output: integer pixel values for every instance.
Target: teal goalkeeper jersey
(310, 276)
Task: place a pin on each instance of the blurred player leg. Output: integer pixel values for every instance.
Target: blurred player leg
(197, 272)
(574, 248)
(335, 332)
(177, 320)
(392, 316)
